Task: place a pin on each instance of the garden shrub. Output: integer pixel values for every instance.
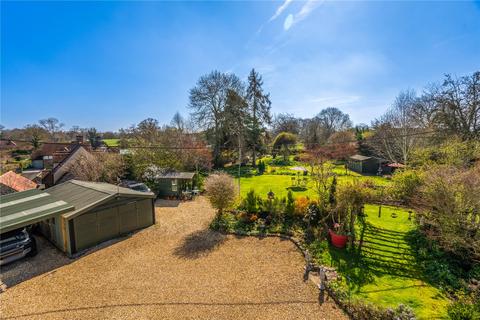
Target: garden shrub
(405, 185)
(436, 265)
(464, 310)
(250, 202)
(313, 214)
(261, 167)
(301, 205)
(474, 273)
(290, 205)
(450, 210)
(318, 248)
(221, 191)
(275, 207)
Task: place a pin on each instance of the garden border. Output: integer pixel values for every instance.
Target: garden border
(362, 311)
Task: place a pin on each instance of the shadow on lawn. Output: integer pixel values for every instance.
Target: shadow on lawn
(378, 252)
(199, 243)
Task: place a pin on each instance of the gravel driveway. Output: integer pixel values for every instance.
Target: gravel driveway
(176, 269)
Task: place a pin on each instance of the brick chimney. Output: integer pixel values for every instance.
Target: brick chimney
(79, 139)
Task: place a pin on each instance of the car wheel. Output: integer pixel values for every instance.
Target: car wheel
(33, 247)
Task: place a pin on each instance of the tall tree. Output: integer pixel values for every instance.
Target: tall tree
(333, 120)
(207, 102)
(34, 133)
(283, 143)
(285, 122)
(53, 126)
(394, 136)
(147, 131)
(458, 106)
(93, 137)
(237, 119)
(259, 104)
(178, 122)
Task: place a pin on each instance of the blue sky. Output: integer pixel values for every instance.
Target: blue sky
(112, 64)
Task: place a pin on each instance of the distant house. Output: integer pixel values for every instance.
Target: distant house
(11, 182)
(368, 165)
(6, 144)
(51, 154)
(61, 172)
(52, 161)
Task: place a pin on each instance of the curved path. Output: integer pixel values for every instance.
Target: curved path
(177, 269)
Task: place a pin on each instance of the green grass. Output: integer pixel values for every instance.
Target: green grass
(111, 142)
(280, 184)
(382, 269)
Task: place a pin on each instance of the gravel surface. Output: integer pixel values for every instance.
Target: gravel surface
(176, 269)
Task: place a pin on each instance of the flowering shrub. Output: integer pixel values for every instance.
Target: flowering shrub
(301, 205)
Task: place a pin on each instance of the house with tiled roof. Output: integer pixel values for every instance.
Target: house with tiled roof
(11, 182)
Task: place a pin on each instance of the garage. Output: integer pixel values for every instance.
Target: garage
(102, 212)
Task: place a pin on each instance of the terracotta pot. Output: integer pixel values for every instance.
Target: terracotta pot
(338, 241)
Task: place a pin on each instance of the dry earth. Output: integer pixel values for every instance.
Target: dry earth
(177, 269)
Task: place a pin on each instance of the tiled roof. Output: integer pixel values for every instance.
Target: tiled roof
(16, 181)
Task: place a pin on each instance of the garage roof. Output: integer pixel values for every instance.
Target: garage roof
(85, 195)
(21, 209)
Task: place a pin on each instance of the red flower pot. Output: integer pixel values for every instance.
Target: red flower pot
(338, 241)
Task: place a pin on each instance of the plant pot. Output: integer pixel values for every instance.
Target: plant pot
(339, 241)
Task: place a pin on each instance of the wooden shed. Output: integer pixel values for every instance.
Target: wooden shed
(102, 211)
(174, 183)
(366, 165)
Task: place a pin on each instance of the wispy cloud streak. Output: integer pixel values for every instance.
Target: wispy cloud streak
(280, 10)
(304, 12)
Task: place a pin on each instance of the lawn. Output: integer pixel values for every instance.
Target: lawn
(111, 142)
(281, 183)
(382, 270)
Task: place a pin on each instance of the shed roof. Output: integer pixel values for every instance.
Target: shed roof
(16, 181)
(360, 157)
(85, 195)
(24, 208)
(175, 175)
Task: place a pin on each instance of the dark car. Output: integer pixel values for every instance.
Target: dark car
(15, 245)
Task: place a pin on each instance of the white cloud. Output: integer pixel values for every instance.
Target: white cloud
(304, 12)
(288, 22)
(280, 10)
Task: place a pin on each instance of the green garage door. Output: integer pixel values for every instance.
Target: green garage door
(98, 226)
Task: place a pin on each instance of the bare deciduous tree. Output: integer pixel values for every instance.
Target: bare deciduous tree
(98, 167)
(207, 102)
(458, 106)
(52, 125)
(450, 209)
(394, 136)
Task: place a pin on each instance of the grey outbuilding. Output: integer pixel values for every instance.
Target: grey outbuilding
(102, 211)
